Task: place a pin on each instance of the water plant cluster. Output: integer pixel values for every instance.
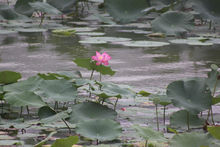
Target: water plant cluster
(87, 107)
(73, 110)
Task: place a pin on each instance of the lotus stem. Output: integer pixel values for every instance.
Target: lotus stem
(210, 24)
(157, 119)
(210, 110)
(42, 18)
(164, 116)
(115, 104)
(21, 111)
(146, 143)
(91, 74)
(100, 77)
(97, 142)
(187, 119)
(56, 105)
(28, 112)
(67, 125)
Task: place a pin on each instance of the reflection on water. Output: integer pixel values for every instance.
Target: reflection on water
(144, 68)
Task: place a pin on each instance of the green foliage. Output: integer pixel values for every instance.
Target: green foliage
(23, 7)
(90, 111)
(8, 77)
(149, 134)
(90, 65)
(192, 140)
(45, 7)
(25, 98)
(212, 80)
(126, 10)
(45, 140)
(65, 32)
(66, 142)
(64, 5)
(144, 93)
(178, 120)
(101, 129)
(193, 95)
(9, 13)
(173, 23)
(45, 112)
(214, 131)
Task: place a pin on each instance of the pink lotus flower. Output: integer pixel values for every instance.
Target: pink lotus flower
(101, 58)
(123, 109)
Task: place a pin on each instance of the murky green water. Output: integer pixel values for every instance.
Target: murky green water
(143, 68)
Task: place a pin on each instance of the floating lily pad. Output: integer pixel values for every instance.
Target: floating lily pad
(89, 111)
(135, 31)
(193, 95)
(66, 32)
(214, 131)
(191, 42)
(6, 32)
(11, 142)
(144, 43)
(84, 29)
(102, 40)
(101, 129)
(179, 120)
(66, 142)
(31, 30)
(90, 33)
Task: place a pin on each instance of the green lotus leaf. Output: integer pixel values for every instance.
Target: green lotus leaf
(143, 43)
(23, 7)
(173, 23)
(90, 110)
(8, 77)
(65, 32)
(207, 8)
(144, 93)
(163, 100)
(61, 75)
(149, 134)
(101, 129)
(66, 142)
(193, 95)
(212, 79)
(9, 13)
(45, 7)
(216, 100)
(126, 10)
(214, 131)
(31, 84)
(64, 5)
(31, 30)
(48, 117)
(192, 140)
(57, 90)
(45, 112)
(25, 98)
(117, 90)
(90, 65)
(179, 120)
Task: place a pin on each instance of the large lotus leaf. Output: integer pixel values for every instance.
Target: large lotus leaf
(10, 14)
(193, 95)
(90, 65)
(66, 142)
(90, 110)
(30, 84)
(8, 77)
(192, 140)
(56, 117)
(57, 90)
(45, 112)
(208, 9)
(25, 98)
(64, 5)
(45, 7)
(149, 134)
(212, 79)
(126, 10)
(61, 75)
(101, 130)
(23, 7)
(214, 131)
(117, 90)
(179, 120)
(173, 23)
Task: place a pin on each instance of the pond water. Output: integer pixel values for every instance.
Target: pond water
(144, 68)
